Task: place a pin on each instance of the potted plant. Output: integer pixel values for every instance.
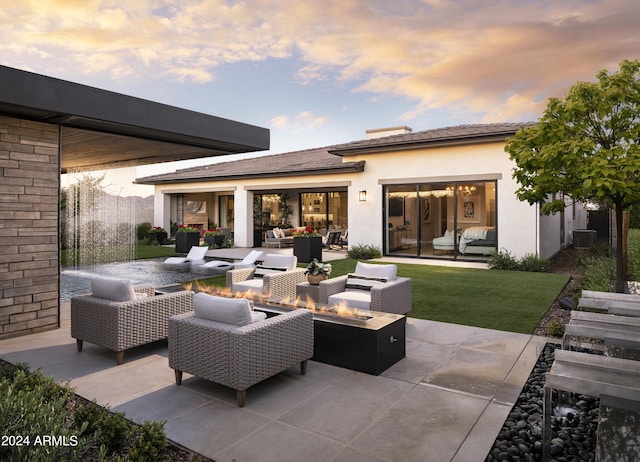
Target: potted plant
(214, 237)
(157, 234)
(307, 245)
(186, 237)
(317, 271)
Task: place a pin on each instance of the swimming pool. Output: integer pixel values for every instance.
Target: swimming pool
(77, 280)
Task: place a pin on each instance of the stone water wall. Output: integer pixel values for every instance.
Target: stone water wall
(29, 210)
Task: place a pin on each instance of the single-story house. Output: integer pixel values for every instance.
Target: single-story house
(446, 193)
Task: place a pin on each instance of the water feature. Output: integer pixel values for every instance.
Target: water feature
(77, 280)
(100, 222)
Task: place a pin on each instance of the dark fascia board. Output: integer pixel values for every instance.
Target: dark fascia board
(47, 99)
(345, 150)
(351, 168)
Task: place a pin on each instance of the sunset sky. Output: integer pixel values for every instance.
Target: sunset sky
(322, 72)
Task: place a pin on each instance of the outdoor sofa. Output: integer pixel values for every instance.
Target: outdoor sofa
(119, 316)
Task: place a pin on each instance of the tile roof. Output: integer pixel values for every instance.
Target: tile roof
(307, 162)
(446, 135)
(329, 159)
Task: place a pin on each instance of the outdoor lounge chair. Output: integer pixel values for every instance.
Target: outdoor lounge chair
(221, 342)
(332, 240)
(277, 278)
(249, 260)
(119, 316)
(196, 254)
(372, 287)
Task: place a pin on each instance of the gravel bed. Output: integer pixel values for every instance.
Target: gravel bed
(574, 422)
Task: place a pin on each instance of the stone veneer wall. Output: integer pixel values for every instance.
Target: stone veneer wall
(29, 210)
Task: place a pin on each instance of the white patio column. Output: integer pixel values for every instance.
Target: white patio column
(243, 216)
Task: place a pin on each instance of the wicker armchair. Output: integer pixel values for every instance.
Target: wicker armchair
(239, 357)
(392, 296)
(265, 281)
(123, 325)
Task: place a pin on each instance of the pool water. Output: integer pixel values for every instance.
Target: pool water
(77, 280)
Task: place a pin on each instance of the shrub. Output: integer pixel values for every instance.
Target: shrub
(533, 263)
(150, 439)
(503, 260)
(142, 230)
(364, 252)
(555, 328)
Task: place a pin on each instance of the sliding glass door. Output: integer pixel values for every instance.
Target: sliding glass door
(443, 220)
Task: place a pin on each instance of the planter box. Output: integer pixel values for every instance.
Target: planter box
(257, 238)
(214, 240)
(307, 248)
(157, 237)
(184, 241)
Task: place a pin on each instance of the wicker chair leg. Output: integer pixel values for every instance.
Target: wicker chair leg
(178, 376)
(303, 367)
(119, 357)
(241, 397)
(79, 344)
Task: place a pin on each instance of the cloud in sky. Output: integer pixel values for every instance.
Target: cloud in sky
(484, 61)
(301, 122)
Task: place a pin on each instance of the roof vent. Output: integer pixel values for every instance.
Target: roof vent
(380, 132)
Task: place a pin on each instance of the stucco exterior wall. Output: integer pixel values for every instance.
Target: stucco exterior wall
(517, 225)
(521, 229)
(29, 212)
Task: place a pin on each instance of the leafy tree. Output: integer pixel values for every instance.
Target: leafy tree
(586, 146)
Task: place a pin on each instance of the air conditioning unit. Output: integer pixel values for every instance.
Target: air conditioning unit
(583, 238)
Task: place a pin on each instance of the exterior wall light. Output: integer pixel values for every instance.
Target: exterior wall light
(362, 195)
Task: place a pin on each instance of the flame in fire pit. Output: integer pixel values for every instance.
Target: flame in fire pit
(340, 309)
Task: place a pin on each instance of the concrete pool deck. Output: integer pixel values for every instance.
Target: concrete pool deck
(446, 401)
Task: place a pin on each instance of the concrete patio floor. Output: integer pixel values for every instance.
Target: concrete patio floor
(446, 401)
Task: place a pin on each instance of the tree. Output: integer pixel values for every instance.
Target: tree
(586, 146)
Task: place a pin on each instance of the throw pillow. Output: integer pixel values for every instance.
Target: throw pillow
(262, 271)
(118, 290)
(235, 311)
(357, 282)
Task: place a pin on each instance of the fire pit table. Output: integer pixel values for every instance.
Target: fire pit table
(364, 341)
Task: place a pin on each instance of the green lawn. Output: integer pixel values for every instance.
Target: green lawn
(504, 300)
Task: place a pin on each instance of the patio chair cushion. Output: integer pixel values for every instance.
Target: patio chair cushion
(376, 271)
(360, 299)
(235, 311)
(280, 261)
(117, 290)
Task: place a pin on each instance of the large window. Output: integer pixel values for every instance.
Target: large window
(324, 210)
(446, 220)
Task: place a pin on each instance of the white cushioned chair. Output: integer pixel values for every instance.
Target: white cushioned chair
(195, 255)
(119, 316)
(247, 261)
(371, 287)
(221, 341)
(277, 278)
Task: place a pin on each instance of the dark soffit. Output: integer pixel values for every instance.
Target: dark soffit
(102, 128)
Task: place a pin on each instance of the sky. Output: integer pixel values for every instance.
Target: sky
(318, 73)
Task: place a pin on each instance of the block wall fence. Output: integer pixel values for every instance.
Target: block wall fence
(29, 226)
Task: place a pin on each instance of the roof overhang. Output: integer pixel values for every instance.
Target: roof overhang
(102, 128)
